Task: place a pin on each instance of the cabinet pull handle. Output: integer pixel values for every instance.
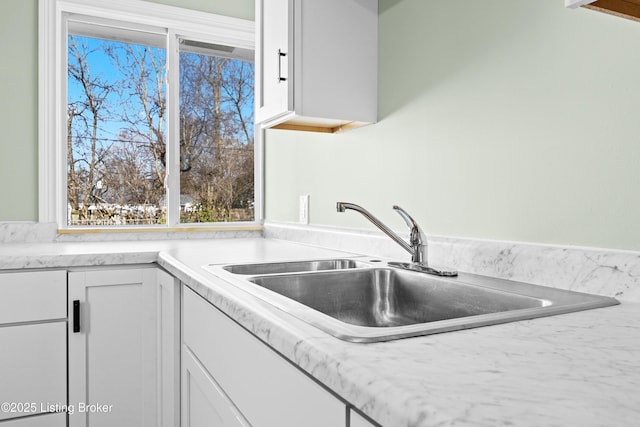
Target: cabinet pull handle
(76, 315)
(281, 54)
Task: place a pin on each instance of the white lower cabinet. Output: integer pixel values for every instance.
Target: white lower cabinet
(33, 355)
(168, 309)
(229, 374)
(31, 296)
(113, 348)
(206, 404)
(32, 368)
(130, 366)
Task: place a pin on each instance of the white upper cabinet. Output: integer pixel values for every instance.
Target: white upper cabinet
(629, 9)
(273, 48)
(316, 64)
(576, 3)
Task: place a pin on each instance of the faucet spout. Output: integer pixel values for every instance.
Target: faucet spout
(343, 206)
(417, 245)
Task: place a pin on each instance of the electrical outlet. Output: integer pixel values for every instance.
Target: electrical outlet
(303, 213)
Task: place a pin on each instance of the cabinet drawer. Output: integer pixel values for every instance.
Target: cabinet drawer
(33, 367)
(32, 296)
(49, 420)
(266, 388)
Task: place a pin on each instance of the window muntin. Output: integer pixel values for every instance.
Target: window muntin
(124, 190)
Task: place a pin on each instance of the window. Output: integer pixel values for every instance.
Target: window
(216, 133)
(126, 147)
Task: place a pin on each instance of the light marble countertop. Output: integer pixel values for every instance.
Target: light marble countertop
(579, 369)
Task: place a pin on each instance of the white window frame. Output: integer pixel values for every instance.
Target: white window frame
(52, 95)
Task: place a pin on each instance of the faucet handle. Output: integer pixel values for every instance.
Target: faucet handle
(416, 233)
(417, 238)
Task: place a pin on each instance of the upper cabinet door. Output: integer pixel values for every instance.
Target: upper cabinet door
(274, 48)
(316, 64)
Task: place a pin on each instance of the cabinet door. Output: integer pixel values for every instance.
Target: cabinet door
(267, 389)
(33, 364)
(169, 346)
(274, 62)
(113, 356)
(204, 402)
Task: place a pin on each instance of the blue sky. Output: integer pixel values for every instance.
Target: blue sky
(101, 67)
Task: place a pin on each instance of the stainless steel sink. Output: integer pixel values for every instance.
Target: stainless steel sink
(384, 297)
(366, 302)
(293, 267)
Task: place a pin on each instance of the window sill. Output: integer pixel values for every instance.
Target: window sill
(185, 229)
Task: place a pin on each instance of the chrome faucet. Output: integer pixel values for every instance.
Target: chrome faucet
(417, 245)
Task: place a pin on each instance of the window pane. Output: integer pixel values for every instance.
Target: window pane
(216, 133)
(115, 132)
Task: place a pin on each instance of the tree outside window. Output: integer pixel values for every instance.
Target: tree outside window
(117, 143)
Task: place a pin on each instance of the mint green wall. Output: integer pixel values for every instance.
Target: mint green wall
(18, 110)
(498, 119)
(19, 98)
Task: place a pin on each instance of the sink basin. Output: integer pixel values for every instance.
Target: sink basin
(292, 267)
(383, 297)
(361, 301)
